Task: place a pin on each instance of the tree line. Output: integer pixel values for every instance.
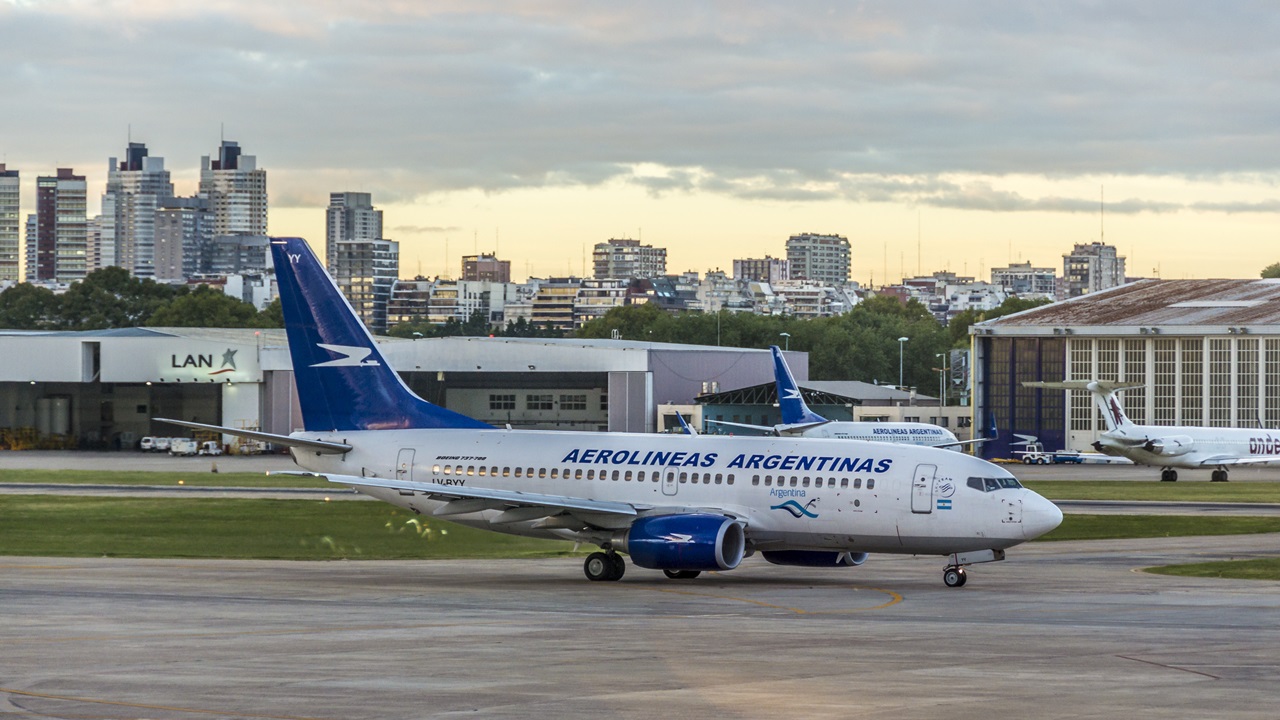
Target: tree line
(112, 298)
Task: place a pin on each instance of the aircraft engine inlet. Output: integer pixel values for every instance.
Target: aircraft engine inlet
(1169, 446)
(684, 542)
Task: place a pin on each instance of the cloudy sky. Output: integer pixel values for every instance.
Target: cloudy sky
(932, 134)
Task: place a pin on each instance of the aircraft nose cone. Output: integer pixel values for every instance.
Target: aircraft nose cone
(1039, 516)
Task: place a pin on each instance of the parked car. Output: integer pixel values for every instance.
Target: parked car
(147, 444)
(162, 444)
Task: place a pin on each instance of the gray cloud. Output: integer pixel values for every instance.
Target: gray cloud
(804, 103)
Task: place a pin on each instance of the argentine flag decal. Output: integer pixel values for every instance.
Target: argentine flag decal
(944, 504)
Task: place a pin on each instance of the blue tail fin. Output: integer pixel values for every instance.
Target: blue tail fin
(344, 382)
(794, 410)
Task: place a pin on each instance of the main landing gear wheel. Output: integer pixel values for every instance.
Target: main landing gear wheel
(1218, 476)
(954, 577)
(604, 566)
(682, 574)
(1169, 475)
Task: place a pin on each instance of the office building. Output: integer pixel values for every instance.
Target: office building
(10, 246)
(1022, 279)
(58, 244)
(1090, 268)
(236, 190)
(183, 244)
(365, 270)
(486, 268)
(819, 258)
(626, 259)
(767, 269)
(350, 216)
(136, 187)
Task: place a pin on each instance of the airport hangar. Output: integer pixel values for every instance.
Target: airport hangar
(101, 389)
(1205, 352)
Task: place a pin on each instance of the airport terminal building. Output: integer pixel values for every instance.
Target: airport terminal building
(1205, 352)
(101, 389)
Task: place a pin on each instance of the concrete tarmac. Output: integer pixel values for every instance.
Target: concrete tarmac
(1061, 630)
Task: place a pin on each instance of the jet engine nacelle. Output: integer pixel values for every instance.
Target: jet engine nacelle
(813, 558)
(684, 542)
(1170, 446)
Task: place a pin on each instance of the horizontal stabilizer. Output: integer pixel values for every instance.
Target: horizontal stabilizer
(319, 446)
(1087, 385)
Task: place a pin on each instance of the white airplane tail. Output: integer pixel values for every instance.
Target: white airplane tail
(1104, 396)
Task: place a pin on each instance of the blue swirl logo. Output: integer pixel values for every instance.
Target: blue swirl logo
(797, 510)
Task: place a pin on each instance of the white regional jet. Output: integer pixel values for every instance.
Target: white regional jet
(1172, 446)
(799, 420)
(682, 504)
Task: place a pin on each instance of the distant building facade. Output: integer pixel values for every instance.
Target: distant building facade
(136, 188)
(1092, 267)
(766, 269)
(819, 258)
(485, 268)
(10, 239)
(350, 216)
(183, 239)
(236, 190)
(59, 249)
(626, 259)
(1022, 279)
(365, 271)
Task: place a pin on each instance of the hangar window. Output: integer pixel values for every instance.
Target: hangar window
(539, 402)
(502, 402)
(573, 402)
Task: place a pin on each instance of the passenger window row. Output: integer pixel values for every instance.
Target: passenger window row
(797, 481)
(581, 474)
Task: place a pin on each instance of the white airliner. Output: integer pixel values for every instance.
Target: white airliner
(1172, 446)
(682, 504)
(799, 421)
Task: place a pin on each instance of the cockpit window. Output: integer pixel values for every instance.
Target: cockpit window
(993, 484)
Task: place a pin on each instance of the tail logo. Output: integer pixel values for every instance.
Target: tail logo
(797, 510)
(678, 538)
(792, 394)
(352, 356)
(1115, 412)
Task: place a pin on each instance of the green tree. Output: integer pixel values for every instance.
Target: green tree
(206, 307)
(112, 298)
(272, 315)
(28, 307)
(1271, 271)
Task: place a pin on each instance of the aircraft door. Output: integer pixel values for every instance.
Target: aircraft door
(669, 482)
(404, 464)
(922, 489)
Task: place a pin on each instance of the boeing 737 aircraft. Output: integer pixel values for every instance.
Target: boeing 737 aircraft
(799, 420)
(682, 504)
(1172, 446)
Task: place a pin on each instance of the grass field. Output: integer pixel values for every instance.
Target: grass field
(1105, 527)
(1254, 492)
(127, 477)
(1259, 569)
(45, 525)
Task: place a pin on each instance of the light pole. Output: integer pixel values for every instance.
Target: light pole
(942, 373)
(901, 344)
(788, 340)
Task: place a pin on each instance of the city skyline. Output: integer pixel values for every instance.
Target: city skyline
(934, 137)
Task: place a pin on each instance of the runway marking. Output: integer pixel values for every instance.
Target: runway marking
(144, 706)
(1168, 667)
(894, 599)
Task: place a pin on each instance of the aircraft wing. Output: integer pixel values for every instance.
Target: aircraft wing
(793, 429)
(961, 443)
(762, 428)
(319, 446)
